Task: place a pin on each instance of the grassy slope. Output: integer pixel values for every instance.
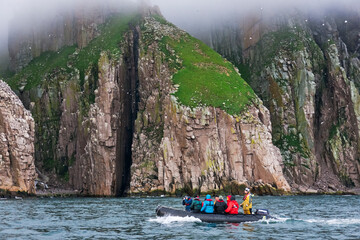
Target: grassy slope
(205, 78)
(111, 34)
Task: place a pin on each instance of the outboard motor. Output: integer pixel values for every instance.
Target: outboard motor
(157, 208)
(159, 211)
(264, 212)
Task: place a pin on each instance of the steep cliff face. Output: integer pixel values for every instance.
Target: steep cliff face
(200, 147)
(291, 65)
(145, 107)
(73, 120)
(104, 166)
(17, 168)
(305, 70)
(341, 149)
(207, 149)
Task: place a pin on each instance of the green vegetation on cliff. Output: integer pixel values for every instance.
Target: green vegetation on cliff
(207, 78)
(204, 77)
(69, 57)
(34, 73)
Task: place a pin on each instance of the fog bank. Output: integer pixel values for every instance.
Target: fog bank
(193, 16)
(197, 16)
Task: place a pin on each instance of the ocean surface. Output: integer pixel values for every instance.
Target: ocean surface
(298, 217)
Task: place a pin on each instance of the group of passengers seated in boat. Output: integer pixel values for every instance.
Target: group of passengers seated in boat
(219, 206)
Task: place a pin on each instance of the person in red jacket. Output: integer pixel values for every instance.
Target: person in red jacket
(233, 206)
(228, 199)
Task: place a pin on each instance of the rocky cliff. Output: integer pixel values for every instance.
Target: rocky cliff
(145, 107)
(200, 147)
(17, 168)
(305, 69)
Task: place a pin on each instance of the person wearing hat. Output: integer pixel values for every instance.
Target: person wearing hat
(247, 202)
(216, 198)
(196, 205)
(187, 202)
(220, 206)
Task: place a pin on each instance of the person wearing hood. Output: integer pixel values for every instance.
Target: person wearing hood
(220, 206)
(208, 205)
(228, 199)
(196, 205)
(233, 206)
(187, 202)
(247, 202)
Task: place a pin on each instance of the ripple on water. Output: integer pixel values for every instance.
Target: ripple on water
(135, 218)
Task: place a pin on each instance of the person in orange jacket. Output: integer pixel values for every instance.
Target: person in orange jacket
(233, 206)
(247, 202)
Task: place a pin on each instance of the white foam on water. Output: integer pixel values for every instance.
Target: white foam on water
(335, 221)
(171, 219)
(276, 219)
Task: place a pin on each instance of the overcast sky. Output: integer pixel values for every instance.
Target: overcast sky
(184, 13)
(26, 10)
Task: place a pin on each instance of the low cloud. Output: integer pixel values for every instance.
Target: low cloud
(25, 13)
(193, 16)
(200, 14)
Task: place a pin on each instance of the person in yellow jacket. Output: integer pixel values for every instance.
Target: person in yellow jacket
(247, 202)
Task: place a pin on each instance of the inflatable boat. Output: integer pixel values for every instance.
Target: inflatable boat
(260, 214)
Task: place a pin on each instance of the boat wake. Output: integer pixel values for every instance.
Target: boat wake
(335, 221)
(172, 219)
(276, 219)
(322, 221)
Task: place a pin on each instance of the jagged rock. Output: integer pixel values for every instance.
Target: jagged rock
(307, 74)
(17, 168)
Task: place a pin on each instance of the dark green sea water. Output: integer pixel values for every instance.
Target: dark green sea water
(299, 217)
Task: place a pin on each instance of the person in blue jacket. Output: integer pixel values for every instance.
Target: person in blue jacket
(187, 202)
(208, 205)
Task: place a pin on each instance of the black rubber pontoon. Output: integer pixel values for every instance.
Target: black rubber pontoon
(206, 217)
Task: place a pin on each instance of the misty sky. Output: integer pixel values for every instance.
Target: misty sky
(187, 14)
(26, 10)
